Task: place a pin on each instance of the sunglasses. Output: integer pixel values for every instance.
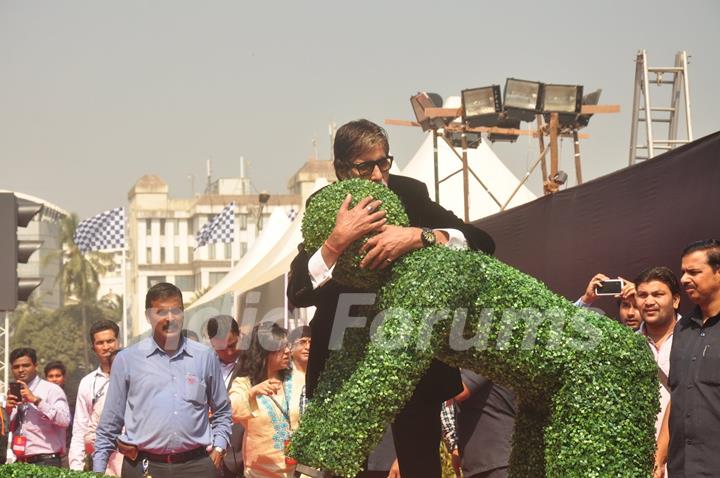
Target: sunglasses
(365, 169)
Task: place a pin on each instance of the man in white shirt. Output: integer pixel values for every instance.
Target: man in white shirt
(657, 298)
(104, 338)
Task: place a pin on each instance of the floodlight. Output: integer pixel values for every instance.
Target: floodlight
(481, 106)
(562, 98)
(523, 99)
(575, 120)
(589, 99)
(420, 102)
(472, 140)
(505, 123)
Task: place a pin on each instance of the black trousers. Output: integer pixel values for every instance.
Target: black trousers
(198, 468)
(416, 433)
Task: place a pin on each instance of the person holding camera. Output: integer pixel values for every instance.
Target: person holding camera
(39, 413)
(623, 290)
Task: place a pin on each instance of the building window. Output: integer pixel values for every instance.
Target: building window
(242, 220)
(162, 227)
(162, 254)
(228, 250)
(152, 280)
(215, 277)
(148, 255)
(243, 248)
(185, 283)
(190, 254)
(176, 250)
(148, 227)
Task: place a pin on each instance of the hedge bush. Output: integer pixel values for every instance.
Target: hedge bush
(587, 386)
(21, 470)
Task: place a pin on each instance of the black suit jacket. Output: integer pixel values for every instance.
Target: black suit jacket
(440, 382)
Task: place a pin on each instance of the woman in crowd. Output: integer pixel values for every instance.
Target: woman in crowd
(265, 398)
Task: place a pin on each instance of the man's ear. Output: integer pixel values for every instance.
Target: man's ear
(676, 301)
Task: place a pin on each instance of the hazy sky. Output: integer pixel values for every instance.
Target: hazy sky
(95, 94)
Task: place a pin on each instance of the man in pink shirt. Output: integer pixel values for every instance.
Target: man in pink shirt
(40, 416)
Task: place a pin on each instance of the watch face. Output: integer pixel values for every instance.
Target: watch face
(428, 237)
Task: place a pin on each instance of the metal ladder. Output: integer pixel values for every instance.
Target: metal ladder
(680, 86)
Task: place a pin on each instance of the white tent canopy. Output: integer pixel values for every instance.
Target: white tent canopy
(484, 163)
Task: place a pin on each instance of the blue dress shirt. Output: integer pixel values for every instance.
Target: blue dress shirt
(163, 401)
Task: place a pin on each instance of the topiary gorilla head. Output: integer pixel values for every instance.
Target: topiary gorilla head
(319, 221)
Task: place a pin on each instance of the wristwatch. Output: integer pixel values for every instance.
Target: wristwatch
(427, 236)
(221, 451)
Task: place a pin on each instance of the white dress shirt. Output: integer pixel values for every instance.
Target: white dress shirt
(91, 388)
(320, 273)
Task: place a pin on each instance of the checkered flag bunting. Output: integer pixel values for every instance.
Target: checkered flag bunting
(103, 231)
(220, 229)
(292, 214)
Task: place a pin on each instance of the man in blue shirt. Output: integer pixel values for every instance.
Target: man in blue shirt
(161, 390)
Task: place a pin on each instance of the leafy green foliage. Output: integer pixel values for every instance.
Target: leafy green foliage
(19, 470)
(317, 225)
(587, 387)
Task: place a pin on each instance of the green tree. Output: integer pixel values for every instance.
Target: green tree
(80, 280)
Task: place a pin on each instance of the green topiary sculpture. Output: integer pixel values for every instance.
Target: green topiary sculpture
(587, 387)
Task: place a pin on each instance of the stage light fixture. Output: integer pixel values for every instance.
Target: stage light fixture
(420, 102)
(523, 99)
(473, 140)
(562, 98)
(481, 106)
(589, 99)
(505, 123)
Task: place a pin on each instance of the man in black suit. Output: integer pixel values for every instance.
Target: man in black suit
(362, 151)
(224, 334)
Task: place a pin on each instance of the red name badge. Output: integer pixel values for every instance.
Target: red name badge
(18, 445)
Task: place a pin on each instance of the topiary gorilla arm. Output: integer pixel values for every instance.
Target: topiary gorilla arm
(587, 387)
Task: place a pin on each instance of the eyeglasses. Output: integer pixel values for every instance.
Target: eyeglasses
(175, 311)
(304, 342)
(366, 168)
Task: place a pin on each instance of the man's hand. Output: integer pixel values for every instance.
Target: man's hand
(217, 458)
(11, 402)
(352, 224)
(628, 290)
(589, 296)
(394, 470)
(27, 395)
(384, 248)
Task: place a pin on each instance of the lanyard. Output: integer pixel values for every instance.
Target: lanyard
(97, 394)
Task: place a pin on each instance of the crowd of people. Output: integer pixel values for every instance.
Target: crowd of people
(169, 406)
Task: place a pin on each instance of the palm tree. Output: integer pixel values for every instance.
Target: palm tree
(80, 277)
